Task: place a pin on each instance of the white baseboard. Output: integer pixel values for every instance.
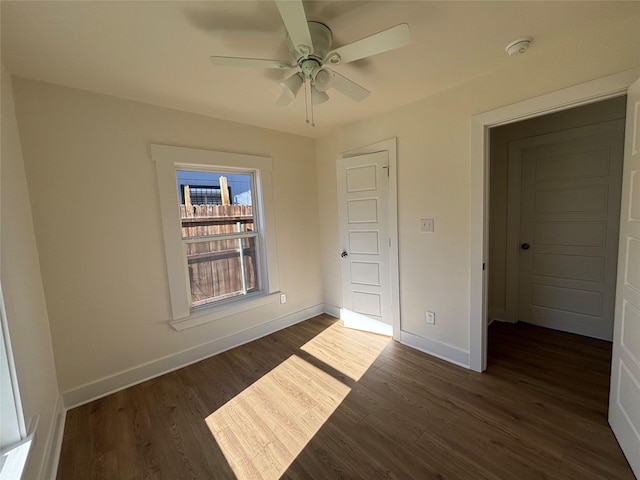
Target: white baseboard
(498, 319)
(437, 349)
(119, 381)
(49, 469)
(332, 310)
(503, 320)
(500, 314)
(431, 347)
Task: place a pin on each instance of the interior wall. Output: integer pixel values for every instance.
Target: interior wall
(97, 222)
(23, 293)
(434, 182)
(98, 227)
(500, 137)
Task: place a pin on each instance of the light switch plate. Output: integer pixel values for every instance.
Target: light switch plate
(431, 318)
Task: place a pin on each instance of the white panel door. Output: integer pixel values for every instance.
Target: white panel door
(569, 220)
(624, 399)
(363, 189)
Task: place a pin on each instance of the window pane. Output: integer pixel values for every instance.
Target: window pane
(206, 220)
(214, 203)
(216, 269)
(218, 203)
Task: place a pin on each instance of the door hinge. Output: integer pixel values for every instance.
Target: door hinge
(483, 266)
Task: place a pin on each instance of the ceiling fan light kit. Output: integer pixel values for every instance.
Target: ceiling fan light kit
(310, 46)
(322, 79)
(291, 85)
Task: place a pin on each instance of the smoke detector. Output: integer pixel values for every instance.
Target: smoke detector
(518, 46)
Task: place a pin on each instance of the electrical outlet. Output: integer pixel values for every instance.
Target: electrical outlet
(283, 298)
(431, 318)
(426, 225)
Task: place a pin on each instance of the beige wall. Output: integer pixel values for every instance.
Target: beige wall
(96, 211)
(22, 289)
(433, 182)
(499, 153)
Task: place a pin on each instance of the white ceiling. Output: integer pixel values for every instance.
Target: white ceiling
(157, 52)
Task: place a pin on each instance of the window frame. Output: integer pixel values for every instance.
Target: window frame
(170, 159)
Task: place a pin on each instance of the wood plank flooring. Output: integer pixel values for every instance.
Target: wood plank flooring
(318, 401)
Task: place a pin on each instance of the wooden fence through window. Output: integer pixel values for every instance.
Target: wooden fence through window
(214, 266)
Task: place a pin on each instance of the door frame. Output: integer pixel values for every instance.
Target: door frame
(582, 94)
(389, 146)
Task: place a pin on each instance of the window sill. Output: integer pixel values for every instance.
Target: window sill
(211, 314)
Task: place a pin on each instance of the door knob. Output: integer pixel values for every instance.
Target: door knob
(525, 246)
(344, 254)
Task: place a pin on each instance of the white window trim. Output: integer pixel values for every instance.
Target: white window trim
(13, 458)
(168, 160)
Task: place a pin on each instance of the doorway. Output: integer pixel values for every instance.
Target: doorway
(583, 94)
(553, 218)
(624, 383)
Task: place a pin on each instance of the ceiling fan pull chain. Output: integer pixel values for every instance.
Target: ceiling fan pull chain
(308, 97)
(313, 120)
(306, 101)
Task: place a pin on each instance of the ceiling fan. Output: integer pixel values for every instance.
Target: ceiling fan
(310, 47)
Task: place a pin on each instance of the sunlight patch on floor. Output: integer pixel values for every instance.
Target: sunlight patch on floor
(265, 427)
(349, 351)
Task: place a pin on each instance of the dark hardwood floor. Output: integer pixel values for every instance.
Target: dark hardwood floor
(318, 401)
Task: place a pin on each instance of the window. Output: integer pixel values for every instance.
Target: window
(219, 234)
(220, 238)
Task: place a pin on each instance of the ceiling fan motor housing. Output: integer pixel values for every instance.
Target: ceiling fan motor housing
(321, 38)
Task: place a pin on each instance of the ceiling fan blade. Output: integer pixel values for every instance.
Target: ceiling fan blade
(250, 62)
(349, 88)
(295, 21)
(390, 39)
